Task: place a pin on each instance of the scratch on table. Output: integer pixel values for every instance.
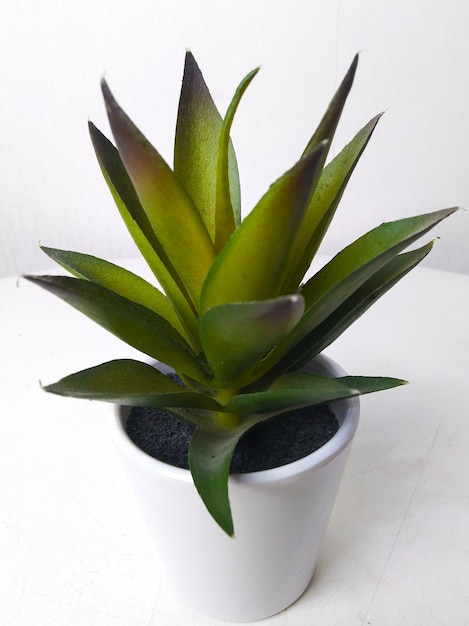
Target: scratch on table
(428, 613)
(331, 596)
(153, 611)
(95, 519)
(404, 517)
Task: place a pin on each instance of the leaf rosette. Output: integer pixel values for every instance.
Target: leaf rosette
(230, 310)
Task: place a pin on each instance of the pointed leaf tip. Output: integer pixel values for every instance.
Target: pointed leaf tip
(227, 216)
(171, 214)
(105, 90)
(236, 336)
(331, 117)
(210, 454)
(112, 107)
(196, 147)
(105, 87)
(350, 75)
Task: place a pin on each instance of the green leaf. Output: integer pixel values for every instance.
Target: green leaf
(351, 309)
(351, 267)
(211, 449)
(117, 279)
(170, 210)
(302, 389)
(323, 205)
(226, 218)
(331, 287)
(330, 120)
(196, 147)
(131, 383)
(252, 264)
(138, 326)
(140, 228)
(331, 185)
(210, 454)
(237, 335)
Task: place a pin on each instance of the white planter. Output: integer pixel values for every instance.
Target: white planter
(280, 517)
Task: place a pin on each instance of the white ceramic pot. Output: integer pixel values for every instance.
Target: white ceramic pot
(280, 517)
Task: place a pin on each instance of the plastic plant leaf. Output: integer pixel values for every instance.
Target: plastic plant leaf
(197, 145)
(252, 264)
(226, 218)
(211, 449)
(351, 267)
(117, 279)
(235, 336)
(139, 227)
(132, 383)
(297, 349)
(352, 308)
(303, 389)
(170, 210)
(328, 124)
(210, 454)
(226, 320)
(326, 198)
(138, 326)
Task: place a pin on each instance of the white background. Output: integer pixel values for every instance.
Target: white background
(414, 64)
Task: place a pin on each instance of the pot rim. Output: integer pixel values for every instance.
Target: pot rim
(347, 412)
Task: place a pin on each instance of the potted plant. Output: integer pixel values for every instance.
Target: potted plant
(237, 332)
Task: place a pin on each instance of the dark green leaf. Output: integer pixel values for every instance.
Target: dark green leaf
(341, 318)
(321, 209)
(302, 389)
(117, 279)
(210, 454)
(235, 336)
(349, 269)
(141, 328)
(348, 312)
(212, 449)
(328, 124)
(131, 383)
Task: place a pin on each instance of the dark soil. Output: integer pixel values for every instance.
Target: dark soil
(276, 442)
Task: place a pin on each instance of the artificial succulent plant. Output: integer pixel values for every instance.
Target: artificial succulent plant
(235, 317)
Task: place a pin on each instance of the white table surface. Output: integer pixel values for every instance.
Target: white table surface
(75, 551)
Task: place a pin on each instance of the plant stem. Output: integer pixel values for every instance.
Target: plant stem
(229, 420)
(226, 419)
